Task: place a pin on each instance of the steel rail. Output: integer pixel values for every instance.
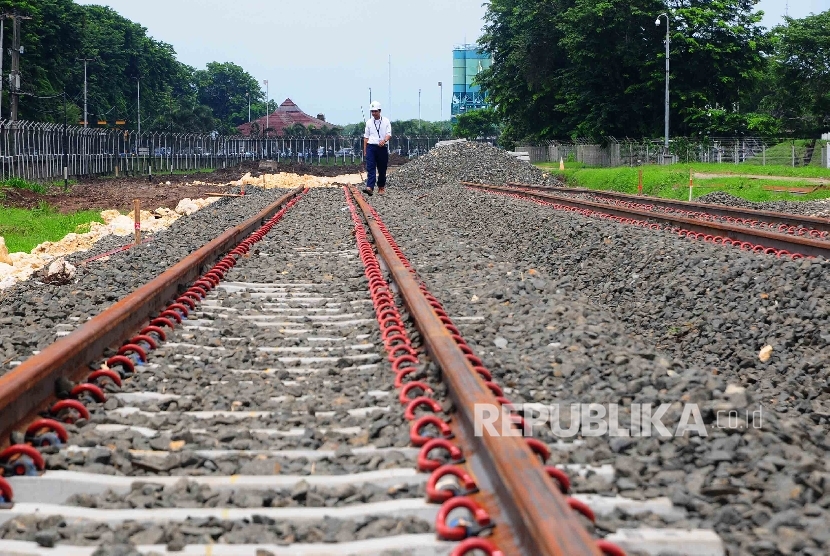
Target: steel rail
(792, 244)
(29, 387)
(529, 501)
(815, 222)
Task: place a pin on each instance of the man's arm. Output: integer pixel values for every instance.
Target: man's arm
(365, 142)
(388, 136)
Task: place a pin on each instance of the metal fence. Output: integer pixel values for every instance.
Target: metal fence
(40, 151)
(720, 150)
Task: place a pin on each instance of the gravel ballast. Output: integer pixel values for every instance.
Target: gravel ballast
(820, 207)
(322, 357)
(466, 161)
(286, 353)
(32, 312)
(589, 311)
(55, 530)
(562, 309)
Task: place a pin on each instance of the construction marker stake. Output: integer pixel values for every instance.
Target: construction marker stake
(137, 217)
(691, 183)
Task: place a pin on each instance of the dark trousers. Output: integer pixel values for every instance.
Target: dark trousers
(376, 158)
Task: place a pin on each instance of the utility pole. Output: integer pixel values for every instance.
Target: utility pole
(248, 94)
(419, 110)
(85, 60)
(370, 96)
(138, 103)
(390, 84)
(267, 106)
(2, 50)
(267, 121)
(65, 147)
(441, 99)
(14, 77)
(668, 39)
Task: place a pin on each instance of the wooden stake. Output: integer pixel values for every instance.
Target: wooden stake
(691, 182)
(137, 216)
(640, 182)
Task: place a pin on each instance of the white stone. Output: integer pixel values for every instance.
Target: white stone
(4, 252)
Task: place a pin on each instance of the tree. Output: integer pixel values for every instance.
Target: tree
(800, 75)
(719, 53)
(565, 68)
(173, 95)
(477, 123)
(223, 87)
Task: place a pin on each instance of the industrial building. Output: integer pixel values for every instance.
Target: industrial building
(467, 62)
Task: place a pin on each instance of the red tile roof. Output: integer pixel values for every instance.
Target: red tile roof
(286, 115)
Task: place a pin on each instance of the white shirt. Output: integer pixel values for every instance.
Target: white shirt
(377, 130)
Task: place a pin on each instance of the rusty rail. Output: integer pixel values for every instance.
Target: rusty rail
(527, 499)
(792, 244)
(821, 224)
(31, 386)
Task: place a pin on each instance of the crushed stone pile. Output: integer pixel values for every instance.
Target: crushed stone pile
(819, 207)
(467, 161)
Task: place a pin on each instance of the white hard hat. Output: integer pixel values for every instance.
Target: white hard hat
(374, 106)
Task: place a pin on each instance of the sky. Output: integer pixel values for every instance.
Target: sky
(326, 54)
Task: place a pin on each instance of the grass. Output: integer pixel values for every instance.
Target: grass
(672, 182)
(709, 168)
(184, 172)
(24, 229)
(20, 183)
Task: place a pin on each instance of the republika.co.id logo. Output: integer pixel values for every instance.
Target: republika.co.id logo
(593, 419)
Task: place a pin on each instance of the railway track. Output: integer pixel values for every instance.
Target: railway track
(252, 411)
(315, 398)
(760, 231)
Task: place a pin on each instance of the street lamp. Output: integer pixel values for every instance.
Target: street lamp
(267, 106)
(657, 23)
(441, 98)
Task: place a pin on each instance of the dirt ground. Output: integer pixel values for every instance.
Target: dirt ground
(118, 193)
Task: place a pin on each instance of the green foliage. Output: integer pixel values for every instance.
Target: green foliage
(174, 96)
(224, 89)
(483, 122)
(717, 122)
(587, 68)
(800, 77)
(672, 182)
(20, 183)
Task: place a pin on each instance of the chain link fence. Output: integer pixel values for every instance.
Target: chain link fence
(43, 152)
(719, 150)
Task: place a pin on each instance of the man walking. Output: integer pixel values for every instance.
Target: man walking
(377, 134)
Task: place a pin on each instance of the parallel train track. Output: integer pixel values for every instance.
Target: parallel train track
(760, 231)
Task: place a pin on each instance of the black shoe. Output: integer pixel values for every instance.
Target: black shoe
(368, 191)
